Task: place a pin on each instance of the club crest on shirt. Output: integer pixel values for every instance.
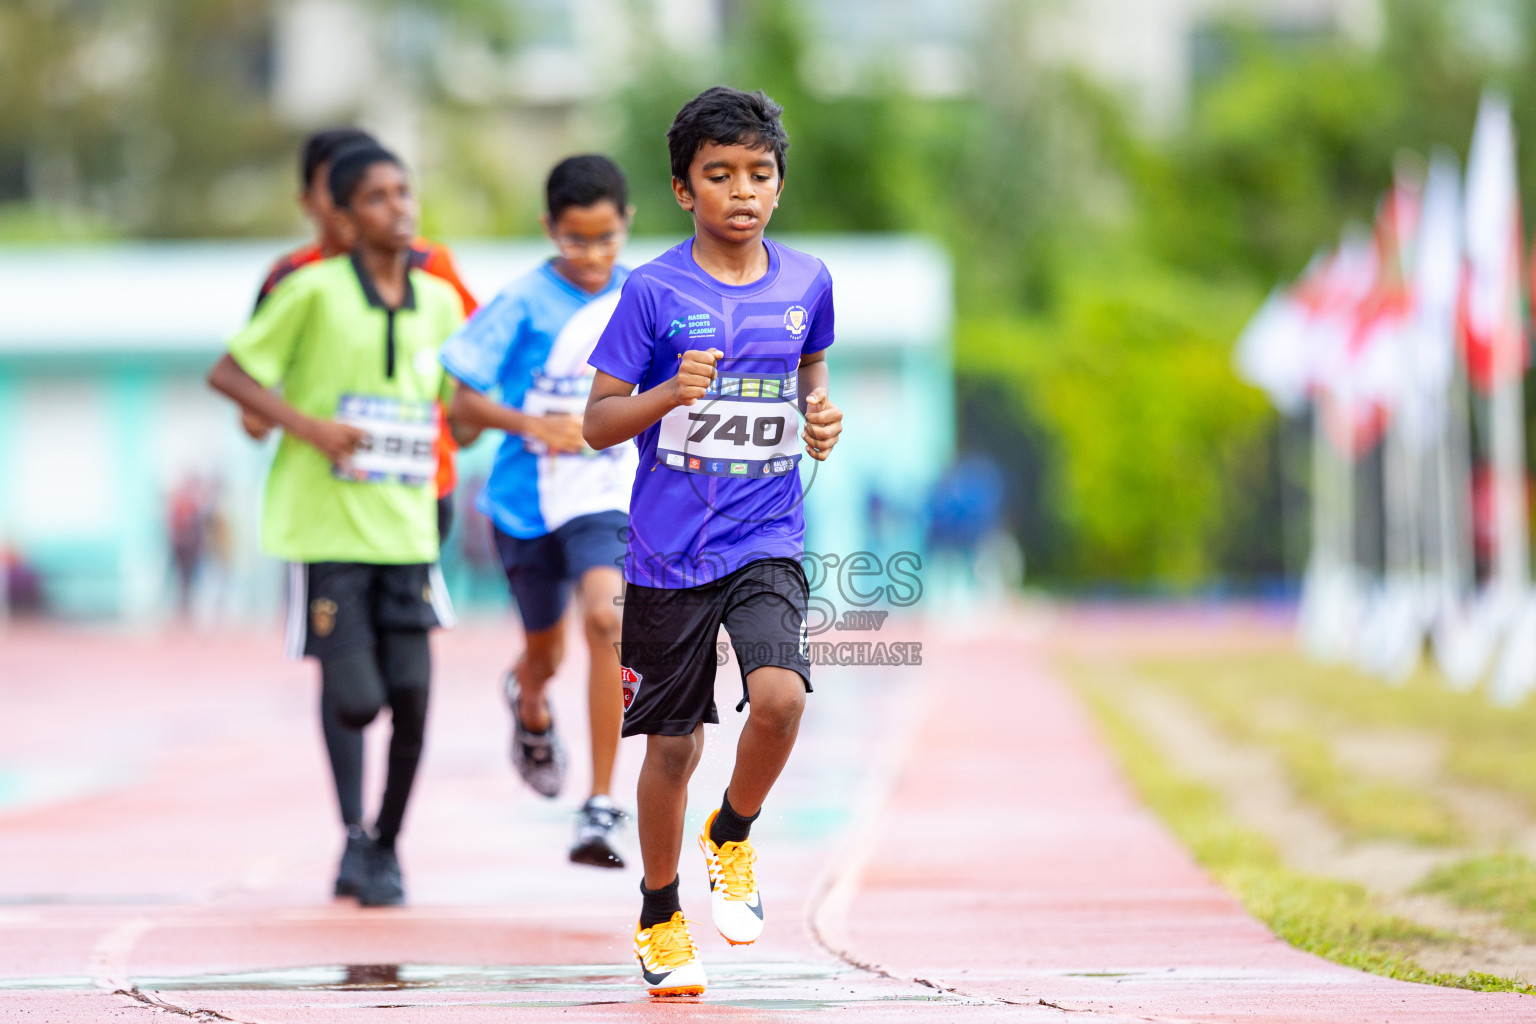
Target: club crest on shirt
(795, 319)
(631, 680)
(322, 616)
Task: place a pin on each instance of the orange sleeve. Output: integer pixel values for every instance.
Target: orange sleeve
(303, 256)
(447, 465)
(439, 263)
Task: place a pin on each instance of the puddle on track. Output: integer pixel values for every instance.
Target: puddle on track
(761, 986)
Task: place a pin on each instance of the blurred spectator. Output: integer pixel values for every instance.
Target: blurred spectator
(198, 533)
(476, 542)
(20, 585)
(971, 553)
(877, 513)
(964, 505)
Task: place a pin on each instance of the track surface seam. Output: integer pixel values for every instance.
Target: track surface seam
(155, 1002)
(834, 891)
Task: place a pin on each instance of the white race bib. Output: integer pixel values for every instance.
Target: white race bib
(401, 442)
(555, 398)
(747, 427)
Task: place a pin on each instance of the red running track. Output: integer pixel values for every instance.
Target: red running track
(167, 840)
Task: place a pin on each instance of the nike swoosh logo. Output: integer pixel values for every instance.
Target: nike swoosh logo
(653, 979)
(756, 906)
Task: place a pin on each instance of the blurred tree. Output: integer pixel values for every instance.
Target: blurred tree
(1289, 138)
(1167, 470)
(58, 128)
(141, 116)
(208, 154)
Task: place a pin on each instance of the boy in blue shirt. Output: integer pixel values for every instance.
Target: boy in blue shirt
(711, 350)
(558, 508)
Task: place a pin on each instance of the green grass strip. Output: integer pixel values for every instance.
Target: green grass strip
(1502, 883)
(1363, 808)
(1335, 920)
(1485, 745)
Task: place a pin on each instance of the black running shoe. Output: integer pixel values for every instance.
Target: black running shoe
(595, 824)
(539, 757)
(382, 885)
(349, 877)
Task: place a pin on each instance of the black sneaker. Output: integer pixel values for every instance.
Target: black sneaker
(539, 757)
(595, 823)
(382, 886)
(349, 877)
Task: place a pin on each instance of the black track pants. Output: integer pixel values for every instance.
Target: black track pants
(354, 687)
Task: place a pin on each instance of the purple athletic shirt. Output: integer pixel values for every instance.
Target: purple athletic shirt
(718, 485)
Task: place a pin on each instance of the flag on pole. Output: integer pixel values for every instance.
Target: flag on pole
(1274, 352)
(1355, 316)
(1434, 294)
(1492, 335)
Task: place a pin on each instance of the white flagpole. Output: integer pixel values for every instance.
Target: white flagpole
(1494, 243)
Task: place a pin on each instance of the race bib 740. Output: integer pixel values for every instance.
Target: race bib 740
(747, 427)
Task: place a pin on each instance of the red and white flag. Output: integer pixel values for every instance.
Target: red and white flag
(1490, 321)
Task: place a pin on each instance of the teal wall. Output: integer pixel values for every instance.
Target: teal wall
(135, 411)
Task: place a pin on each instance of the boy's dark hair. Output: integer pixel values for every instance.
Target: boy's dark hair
(349, 167)
(728, 117)
(585, 181)
(324, 144)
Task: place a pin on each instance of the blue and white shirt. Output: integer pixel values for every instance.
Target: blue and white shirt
(532, 342)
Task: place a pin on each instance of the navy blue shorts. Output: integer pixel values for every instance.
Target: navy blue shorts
(540, 570)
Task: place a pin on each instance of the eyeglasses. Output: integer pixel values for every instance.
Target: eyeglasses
(577, 245)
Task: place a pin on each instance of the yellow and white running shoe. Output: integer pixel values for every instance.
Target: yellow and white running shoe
(734, 902)
(669, 959)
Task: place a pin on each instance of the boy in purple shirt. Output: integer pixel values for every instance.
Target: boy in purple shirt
(716, 348)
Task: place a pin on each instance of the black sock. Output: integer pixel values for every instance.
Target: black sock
(658, 905)
(730, 827)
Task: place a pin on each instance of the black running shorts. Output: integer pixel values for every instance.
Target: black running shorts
(668, 655)
(338, 607)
